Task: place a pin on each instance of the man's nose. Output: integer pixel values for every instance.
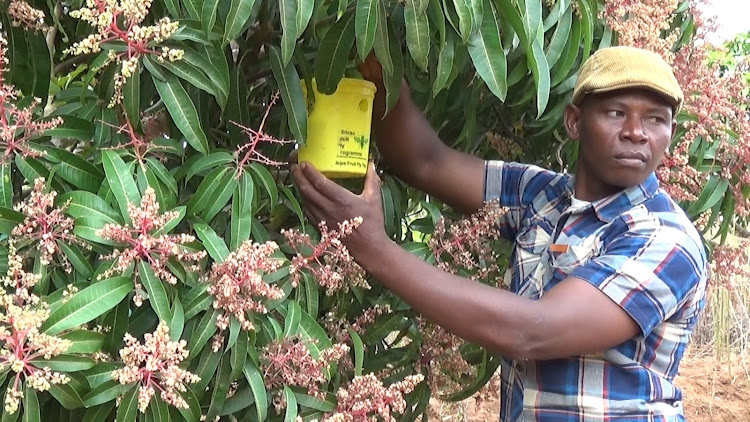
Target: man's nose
(633, 131)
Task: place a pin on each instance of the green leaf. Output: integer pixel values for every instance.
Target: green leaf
(8, 219)
(559, 37)
(240, 224)
(217, 70)
(221, 386)
(213, 244)
(72, 127)
(711, 194)
(157, 411)
(128, 408)
(255, 379)
(84, 341)
(208, 15)
(291, 405)
(120, 182)
(326, 405)
(289, 35)
(393, 79)
(203, 332)
(207, 162)
(199, 199)
(65, 363)
(193, 8)
(131, 97)
(465, 19)
(312, 295)
(303, 15)
(30, 404)
(192, 74)
(74, 169)
(262, 174)
(105, 392)
(66, 395)
(365, 24)
(6, 185)
(239, 13)
(74, 254)
(193, 412)
(88, 304)
(487, 54)
(359, 352)
(177, 324)
(292, 318)
(290, 87)
(540, 70)
(86, 204)
(157, 294)
(183, 112)
(445, 65)
(485, 371)
(220, 196)
(331, 60)
(239, 354)
(417, 32)
(99, 413)
(308, 328)
(382, 44)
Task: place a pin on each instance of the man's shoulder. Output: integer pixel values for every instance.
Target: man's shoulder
(661, 215)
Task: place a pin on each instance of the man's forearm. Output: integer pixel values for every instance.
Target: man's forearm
(491, 317)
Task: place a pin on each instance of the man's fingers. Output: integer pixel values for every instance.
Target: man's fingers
(309, 193)
(372, 184)
(323, 185)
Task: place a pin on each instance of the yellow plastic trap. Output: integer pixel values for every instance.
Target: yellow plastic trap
(338, 129)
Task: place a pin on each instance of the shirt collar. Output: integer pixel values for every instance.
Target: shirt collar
(611, 207)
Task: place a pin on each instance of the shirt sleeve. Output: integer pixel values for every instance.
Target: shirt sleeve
(650, 271)
(517, 187)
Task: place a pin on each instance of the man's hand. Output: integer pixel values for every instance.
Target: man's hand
(326, 201)
(372, 70)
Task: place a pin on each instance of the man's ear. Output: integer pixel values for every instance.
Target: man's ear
(572, 121)
(674, 129)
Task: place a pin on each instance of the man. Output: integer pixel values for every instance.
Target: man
(607, 276)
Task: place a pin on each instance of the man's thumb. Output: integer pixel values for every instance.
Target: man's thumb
(372, 183)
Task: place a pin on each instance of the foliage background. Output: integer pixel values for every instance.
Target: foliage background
(198, 128)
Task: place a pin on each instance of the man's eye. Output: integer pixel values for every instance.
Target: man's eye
(615, 113)
(656, 119)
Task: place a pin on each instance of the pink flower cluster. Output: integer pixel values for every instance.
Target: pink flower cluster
(728, 262)
(147, 246)
(237, 283)
(441, 359)
(21, 316)
(155, 366)
(327, 260)
(367, 400)
(289, 362)
(17, 125)
(45, 226)
(466, 245)
(22, 14)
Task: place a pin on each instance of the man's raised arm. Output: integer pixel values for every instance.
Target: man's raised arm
(412, 148)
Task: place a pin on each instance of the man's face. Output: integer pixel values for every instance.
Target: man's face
(623, 135)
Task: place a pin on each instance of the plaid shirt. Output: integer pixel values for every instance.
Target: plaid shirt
(638, 248)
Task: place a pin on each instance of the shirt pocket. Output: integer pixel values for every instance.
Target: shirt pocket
(577, 255)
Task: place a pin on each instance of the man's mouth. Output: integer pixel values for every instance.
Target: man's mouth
(631, 158)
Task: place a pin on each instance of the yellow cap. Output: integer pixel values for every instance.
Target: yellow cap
(614, 68)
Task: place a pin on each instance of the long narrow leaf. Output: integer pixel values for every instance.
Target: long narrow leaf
(88, 304)
(183, 111)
